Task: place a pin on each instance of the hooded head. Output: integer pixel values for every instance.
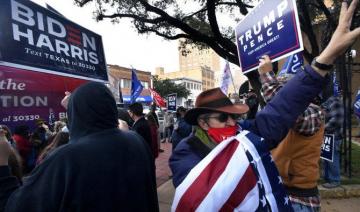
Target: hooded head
(91, 109)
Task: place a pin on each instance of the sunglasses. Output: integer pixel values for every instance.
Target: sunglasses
(223, 117)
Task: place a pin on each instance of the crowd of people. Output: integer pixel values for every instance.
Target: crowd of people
(31, 147)
(100, 161)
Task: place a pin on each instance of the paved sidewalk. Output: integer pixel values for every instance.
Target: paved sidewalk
(162, 164)
(165, 196)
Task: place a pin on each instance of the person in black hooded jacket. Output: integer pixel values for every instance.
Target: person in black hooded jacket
(101, 169)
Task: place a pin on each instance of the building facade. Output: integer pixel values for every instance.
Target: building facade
(199, 65)
(199, 58)
(120, 81)
(195, 88)
(203, 74)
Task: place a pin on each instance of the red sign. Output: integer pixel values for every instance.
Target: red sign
(27, 95)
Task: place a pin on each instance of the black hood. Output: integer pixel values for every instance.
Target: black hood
(91, 109)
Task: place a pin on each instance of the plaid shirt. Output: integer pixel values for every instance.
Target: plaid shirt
(309, 122)
(334, 116)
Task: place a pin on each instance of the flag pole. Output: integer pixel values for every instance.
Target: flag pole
(232, 79)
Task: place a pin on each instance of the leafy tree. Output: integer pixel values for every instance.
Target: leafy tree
(166, 86)
(200, 22)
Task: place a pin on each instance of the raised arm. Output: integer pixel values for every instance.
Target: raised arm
(342, 38)
(274, 121)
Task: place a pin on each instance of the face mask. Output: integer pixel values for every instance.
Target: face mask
(220, 134)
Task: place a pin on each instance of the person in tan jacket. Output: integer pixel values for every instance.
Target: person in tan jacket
(297, 156)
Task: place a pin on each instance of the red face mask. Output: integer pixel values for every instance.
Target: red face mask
(220, 134)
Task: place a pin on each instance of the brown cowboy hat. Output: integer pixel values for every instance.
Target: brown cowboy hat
(213, 100)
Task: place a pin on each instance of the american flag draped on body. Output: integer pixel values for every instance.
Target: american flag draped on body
(238, 175)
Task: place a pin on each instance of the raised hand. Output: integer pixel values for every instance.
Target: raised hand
(265, 64)
(65, 100)
(343, 37)
(123, 125)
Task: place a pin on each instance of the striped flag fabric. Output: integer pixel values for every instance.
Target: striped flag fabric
(239, 174)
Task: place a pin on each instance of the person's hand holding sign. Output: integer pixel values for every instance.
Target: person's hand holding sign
(265, 65)
(341, 39)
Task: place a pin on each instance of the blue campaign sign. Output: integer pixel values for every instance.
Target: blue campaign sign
(328, 147)
(171, 99)
(271, 28)
(37, 39)
(357, 105)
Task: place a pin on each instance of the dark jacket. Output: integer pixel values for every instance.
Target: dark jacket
(181, 131)
(101, 169)
(142, 127)
(272, 123)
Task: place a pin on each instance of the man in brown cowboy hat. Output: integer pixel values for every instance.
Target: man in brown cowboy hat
(215, 119)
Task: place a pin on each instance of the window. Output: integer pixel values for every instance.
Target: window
(127, 83)
(145, 84)
(121, 83)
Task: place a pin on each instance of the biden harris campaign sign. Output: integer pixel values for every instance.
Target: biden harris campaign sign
(26, 96)
(272, 28)
(36, 39)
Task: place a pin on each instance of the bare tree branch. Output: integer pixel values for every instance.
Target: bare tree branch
(204, 9)
(170, 37)
(136, 17)
(82, 2)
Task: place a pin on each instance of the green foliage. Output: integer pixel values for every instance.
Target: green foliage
(210, 23)
(355, 160)
(166, 86)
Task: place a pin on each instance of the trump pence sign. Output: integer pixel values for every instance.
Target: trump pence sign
(272, 28)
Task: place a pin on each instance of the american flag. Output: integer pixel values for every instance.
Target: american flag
(238, 175)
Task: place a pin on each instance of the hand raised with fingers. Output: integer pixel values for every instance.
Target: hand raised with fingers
(65, 100)
(343, 37)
